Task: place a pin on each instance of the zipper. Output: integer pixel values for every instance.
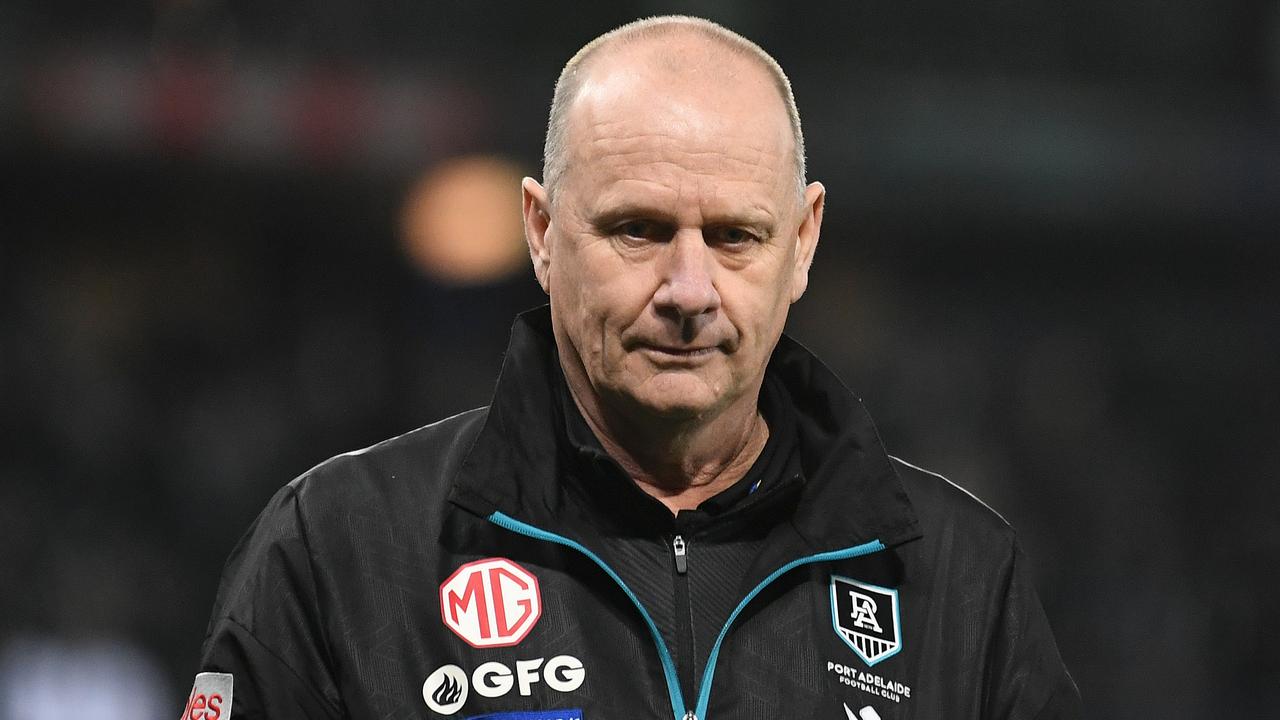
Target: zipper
(684, 612)
(678, 708)
(681, 551)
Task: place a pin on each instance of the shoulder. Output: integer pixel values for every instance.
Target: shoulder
(946, 509)
(396, 483)
(404, 475)
(323, 529)
(419, 461)
(980, 582)
(382, 496)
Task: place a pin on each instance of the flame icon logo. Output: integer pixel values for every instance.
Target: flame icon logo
(445, 690)
(448, 691)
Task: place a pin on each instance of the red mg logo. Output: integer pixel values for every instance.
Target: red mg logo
(491, 603)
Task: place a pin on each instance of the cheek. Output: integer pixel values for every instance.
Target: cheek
(600, 298)
(612, 292)
(756, 304)
(755, 298)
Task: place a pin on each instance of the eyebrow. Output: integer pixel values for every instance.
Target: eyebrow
(608, 218)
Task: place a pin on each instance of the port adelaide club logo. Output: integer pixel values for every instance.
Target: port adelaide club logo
(867, 618)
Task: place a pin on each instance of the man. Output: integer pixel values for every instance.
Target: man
(669, 510)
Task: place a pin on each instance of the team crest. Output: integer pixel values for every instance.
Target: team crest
(867, 618)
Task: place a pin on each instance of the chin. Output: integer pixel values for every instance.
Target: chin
(678, 400)
(675, 408)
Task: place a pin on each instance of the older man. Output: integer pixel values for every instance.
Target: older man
(669, 510)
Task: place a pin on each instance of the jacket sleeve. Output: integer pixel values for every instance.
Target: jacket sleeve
(1026, 678)
(266, 630)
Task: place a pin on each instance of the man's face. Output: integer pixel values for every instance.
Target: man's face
(677, 239)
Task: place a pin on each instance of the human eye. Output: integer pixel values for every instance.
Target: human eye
(640, 229)
(732, 236)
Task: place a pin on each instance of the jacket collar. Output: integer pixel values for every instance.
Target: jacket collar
(849, 492)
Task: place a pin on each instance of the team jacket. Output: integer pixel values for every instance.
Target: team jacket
(482, 567)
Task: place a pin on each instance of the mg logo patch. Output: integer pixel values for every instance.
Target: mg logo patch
(867, 618)
(491, 603)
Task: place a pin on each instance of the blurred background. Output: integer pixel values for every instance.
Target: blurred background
(237, 238)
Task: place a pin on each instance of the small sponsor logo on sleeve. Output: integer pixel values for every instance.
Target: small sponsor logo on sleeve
(210, 697)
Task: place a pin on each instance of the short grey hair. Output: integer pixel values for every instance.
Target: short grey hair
(554, 153)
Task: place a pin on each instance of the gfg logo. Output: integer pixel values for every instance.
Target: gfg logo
(491, 603)
(446, 690)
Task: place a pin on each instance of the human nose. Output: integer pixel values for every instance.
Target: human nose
(688, 288)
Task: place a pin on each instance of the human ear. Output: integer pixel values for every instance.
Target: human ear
(815, 196)
(537, 219)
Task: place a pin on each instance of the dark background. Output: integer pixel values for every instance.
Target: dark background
(1048, 266)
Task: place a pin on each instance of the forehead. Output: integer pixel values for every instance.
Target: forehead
(677, 124)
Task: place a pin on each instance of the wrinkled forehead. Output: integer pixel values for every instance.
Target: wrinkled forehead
(710, 118)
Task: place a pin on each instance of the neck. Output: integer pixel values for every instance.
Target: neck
(680, 462)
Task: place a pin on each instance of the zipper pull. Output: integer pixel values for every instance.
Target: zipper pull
(690, 715)
(678, 546)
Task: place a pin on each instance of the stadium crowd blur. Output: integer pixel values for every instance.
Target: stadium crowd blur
(237, 238)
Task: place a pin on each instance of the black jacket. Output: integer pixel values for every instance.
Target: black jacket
(492, 565)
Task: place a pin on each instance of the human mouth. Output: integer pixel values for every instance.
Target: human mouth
(669, 353)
